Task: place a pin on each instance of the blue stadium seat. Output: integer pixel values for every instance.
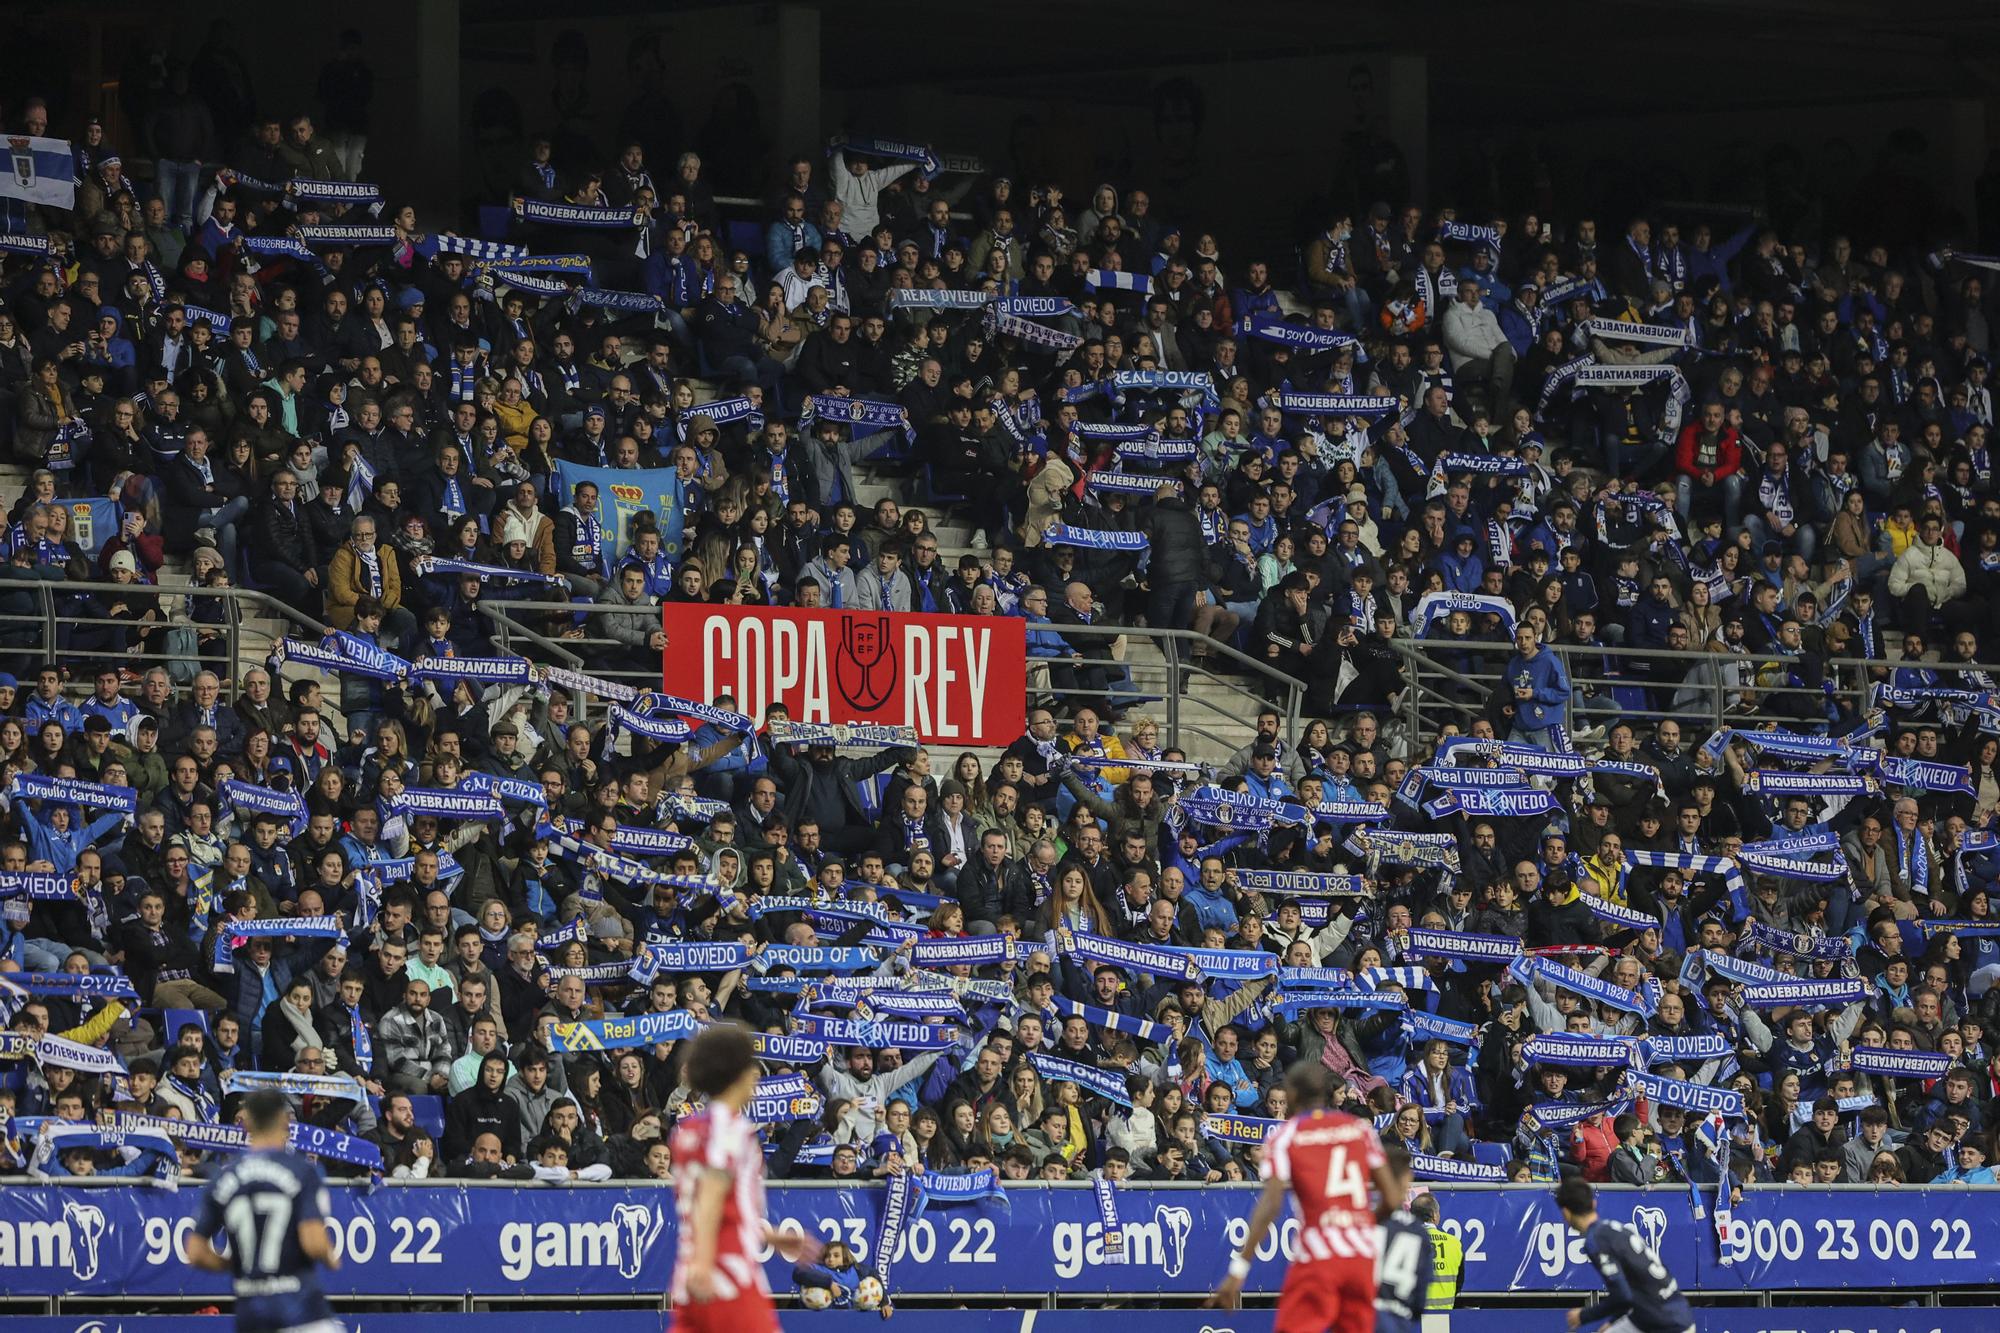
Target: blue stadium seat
(870, 791)
(429, 1113)
(931, 493)
(747, 237)
(173, 1021)
(1629, 698)
(495, 220)
(1491, 1154)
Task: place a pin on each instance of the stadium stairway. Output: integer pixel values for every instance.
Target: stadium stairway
(1217, 713)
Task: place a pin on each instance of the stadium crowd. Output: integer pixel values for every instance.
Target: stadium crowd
(1767, 452)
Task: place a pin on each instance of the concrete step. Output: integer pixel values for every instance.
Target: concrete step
(1217, 716)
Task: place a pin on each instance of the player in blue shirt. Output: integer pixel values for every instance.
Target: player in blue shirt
(1402, 1256)
(1640, 1295)
(271, 1203)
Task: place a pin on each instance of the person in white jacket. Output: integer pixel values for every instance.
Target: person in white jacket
(868, 1090)
(1478, 348)
(1136, 1130)
(1926, 576)
(857, 185)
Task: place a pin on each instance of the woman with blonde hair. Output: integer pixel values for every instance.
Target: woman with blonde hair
(716, 555)
(1024, 1095)
(1142, 736)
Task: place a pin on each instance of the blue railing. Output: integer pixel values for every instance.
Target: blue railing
(1040, 1243)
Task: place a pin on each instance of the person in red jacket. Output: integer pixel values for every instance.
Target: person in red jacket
(1596, 1139)
(1709, 458)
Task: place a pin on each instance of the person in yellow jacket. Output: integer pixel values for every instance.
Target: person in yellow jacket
(1604, 874)
(1447, 1255)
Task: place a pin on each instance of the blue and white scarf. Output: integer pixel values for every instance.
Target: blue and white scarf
(480, 807)
(88, 985)
(1767, 782)
(1885, 1060)
(1699, 1097)
(1913, 856)
(437, 564)
(1277, 329)
(1529, 970)
(852, 1032)
(1304, 882)
(783, 1099)
(1103, 1083)
(1406, 848)
(1493, 803)
(1462, 945)
(1625, 918)
(1921, 775)
(1096, 539)
(1423, 1026)
(1293, 403)
(654, 703)
(612, 1034)
(692, 956)
(36, 886)
(1155, 960)
(1194, 386)
(936, 298)
(1112, 280)
(333, 236)
(333, 192)
(1426, 1166)
(865, 416)
(1577, 1048)
(1798, 944)
(963, 951)
(479, 251)
(1027, 331)
(340, 1087)
(576, 215)
(1805, 993)
(73, 791)
(1152, 449)
(895, 150)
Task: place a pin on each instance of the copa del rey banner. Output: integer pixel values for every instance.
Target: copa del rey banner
(958, 680)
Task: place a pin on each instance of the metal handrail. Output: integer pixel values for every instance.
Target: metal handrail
(1281, 691)
(51, 615)
(1286, 693)
(562, 650)
(1849, 678)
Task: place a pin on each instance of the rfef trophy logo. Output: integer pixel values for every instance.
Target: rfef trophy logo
(865, 670)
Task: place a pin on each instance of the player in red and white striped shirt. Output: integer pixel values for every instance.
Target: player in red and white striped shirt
(1326, 1160)
(718, 1284)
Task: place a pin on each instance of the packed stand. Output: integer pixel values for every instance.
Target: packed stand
(399, 876)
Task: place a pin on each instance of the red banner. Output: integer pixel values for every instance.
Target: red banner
(959, 680)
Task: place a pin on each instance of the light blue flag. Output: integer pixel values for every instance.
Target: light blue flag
(622, 493)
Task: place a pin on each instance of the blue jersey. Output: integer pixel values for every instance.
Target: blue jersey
(1402, 1274)
(1636, 1284)
(258, 1202)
